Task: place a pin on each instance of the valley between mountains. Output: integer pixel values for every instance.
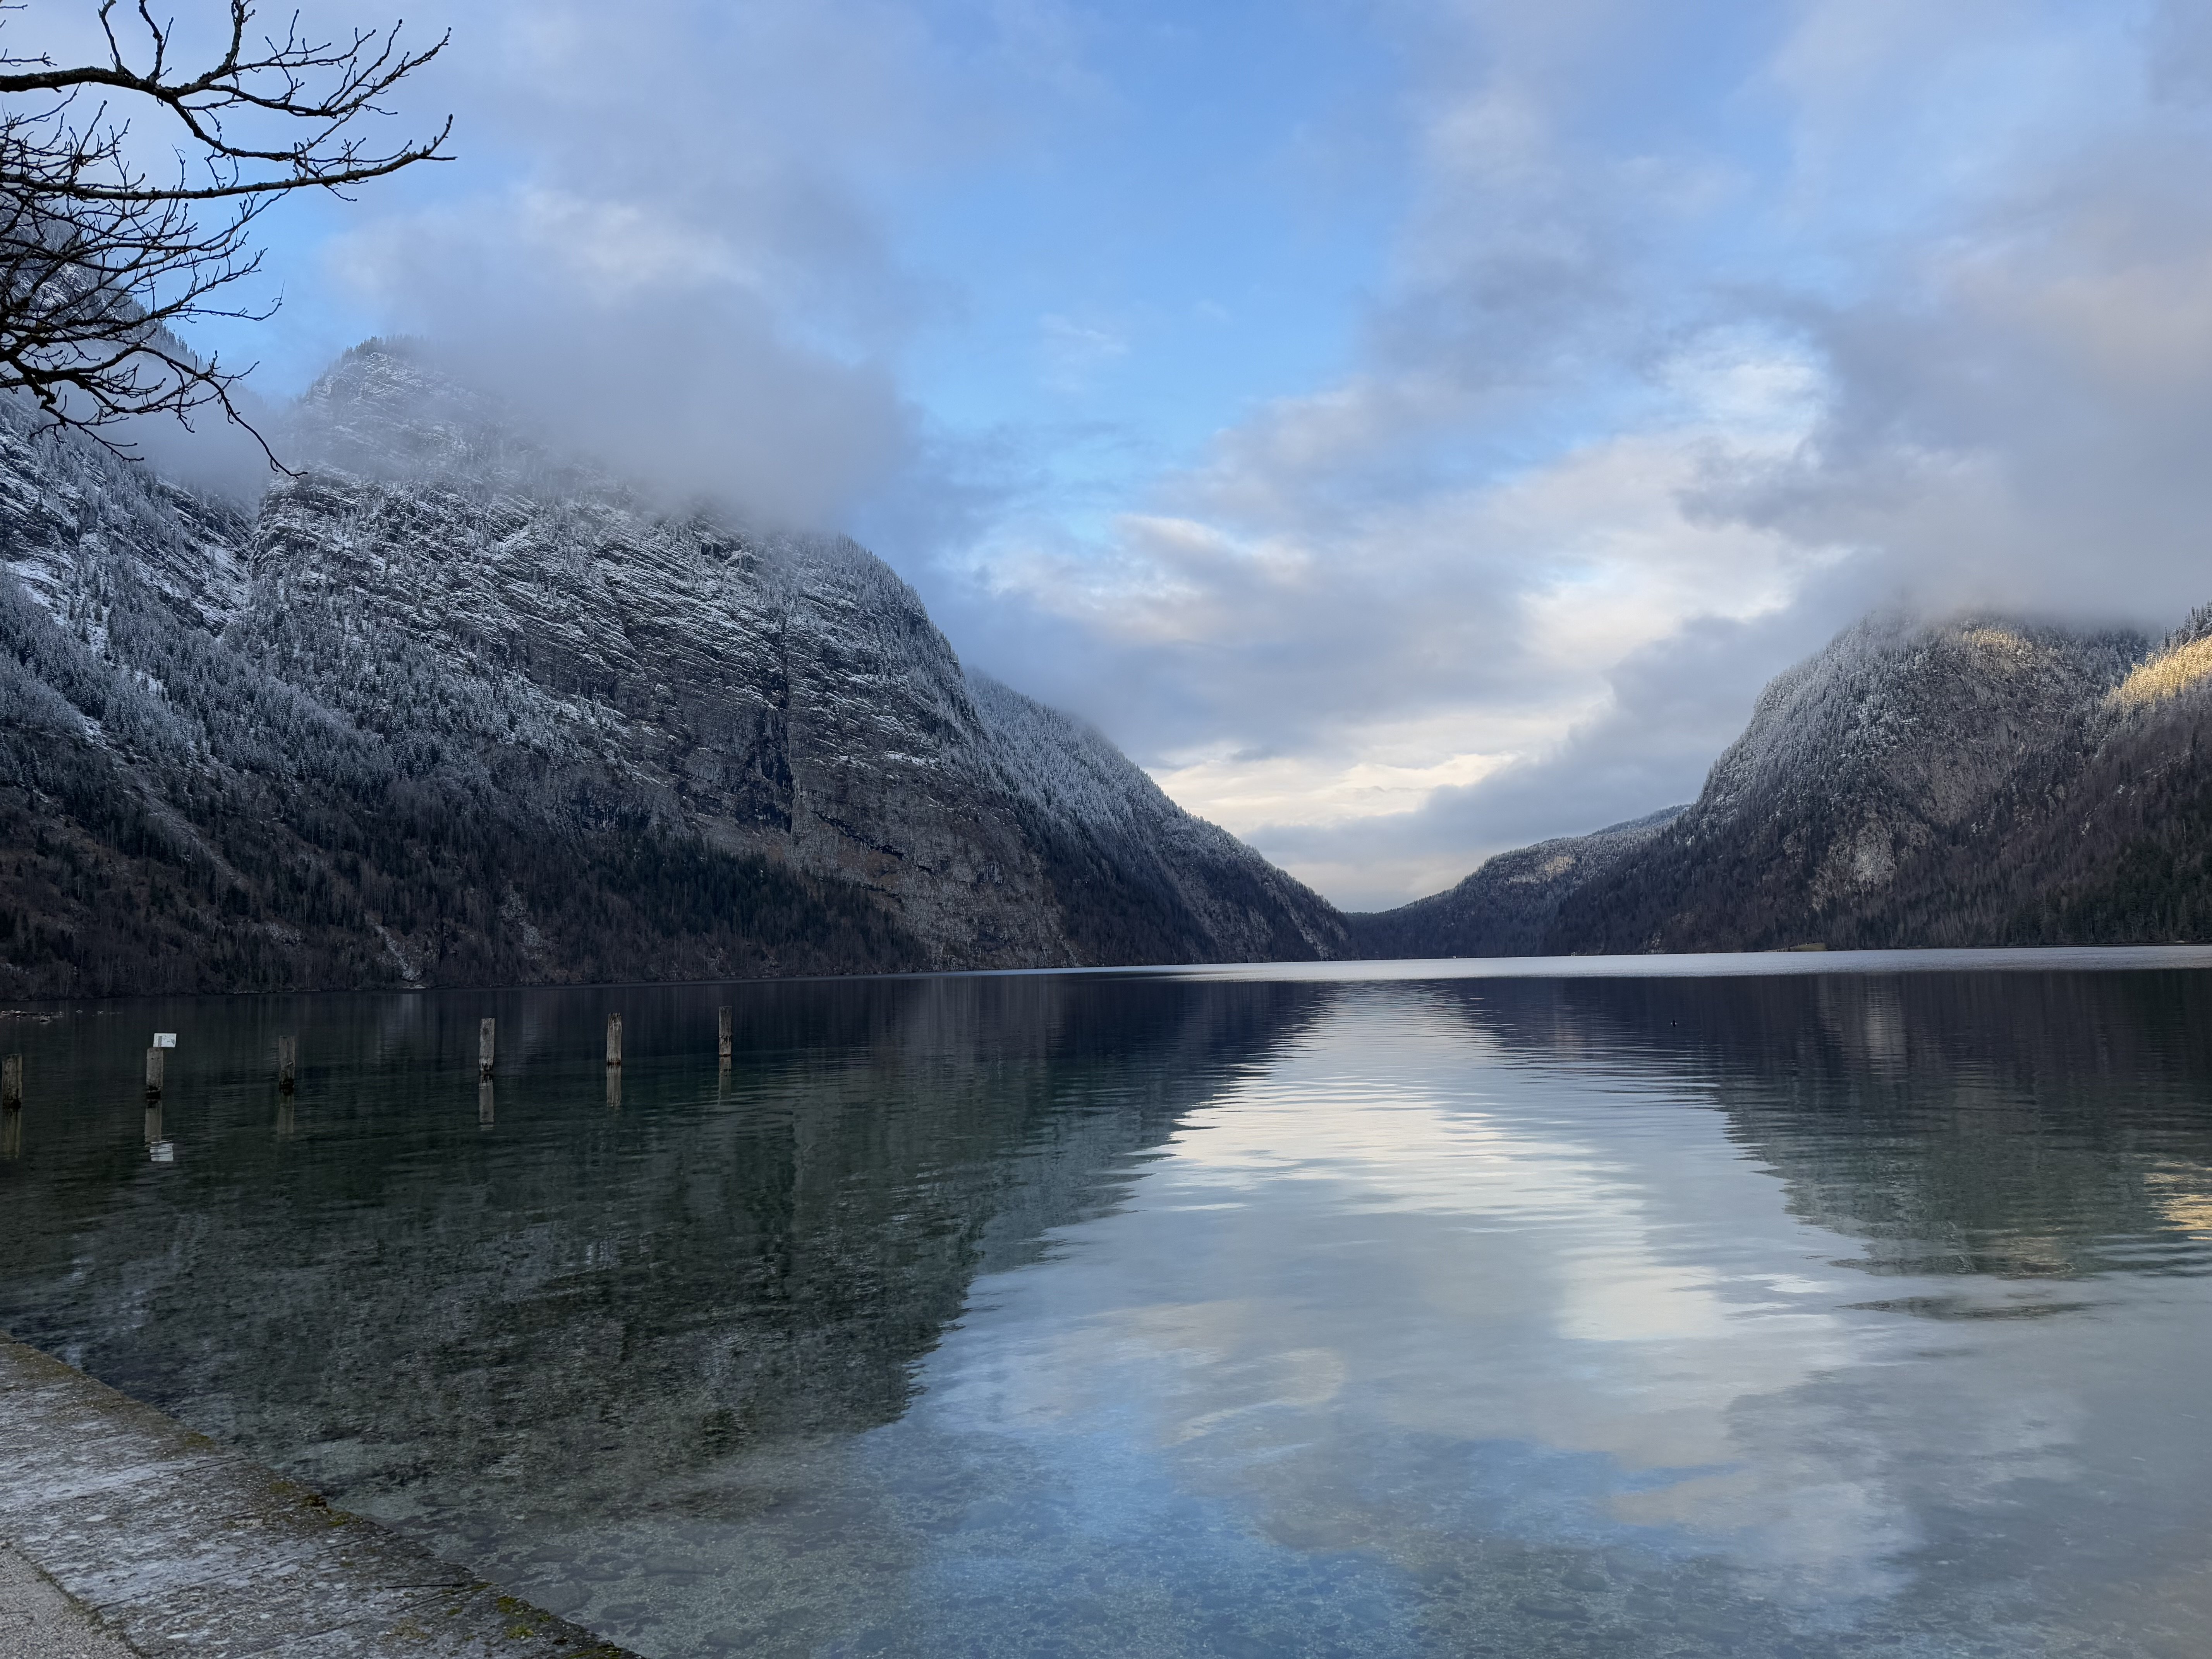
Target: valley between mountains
(441, 708)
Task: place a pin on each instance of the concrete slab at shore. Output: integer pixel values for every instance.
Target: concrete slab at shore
(170, 1543)
(37, 1621)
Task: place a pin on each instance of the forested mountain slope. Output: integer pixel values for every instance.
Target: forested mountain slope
(1505, 908)
(1969, 782)
(439, 709)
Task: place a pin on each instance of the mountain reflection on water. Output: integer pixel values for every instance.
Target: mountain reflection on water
(1817, 1315)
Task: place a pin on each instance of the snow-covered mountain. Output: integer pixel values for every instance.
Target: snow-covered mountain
(444, 708)
(1973, 781)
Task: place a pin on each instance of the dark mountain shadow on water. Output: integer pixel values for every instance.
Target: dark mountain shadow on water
(587, 1289)
(2018, 1125)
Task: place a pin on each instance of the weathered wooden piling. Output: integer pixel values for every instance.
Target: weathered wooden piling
(287, 1062)
(152, 1122)
(485, 1116)
(614, 1040)
(722, 1048)
(485, 1031)
(163, 1041)
(11, 1107)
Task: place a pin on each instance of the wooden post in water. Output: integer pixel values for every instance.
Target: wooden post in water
(484, 1033)
(11, 1107)
(722, 1050)
(287, 1061)
(485, 1116)
(614, 1041)
(163, 1041)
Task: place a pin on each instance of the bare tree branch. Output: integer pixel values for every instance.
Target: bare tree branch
(99, 263)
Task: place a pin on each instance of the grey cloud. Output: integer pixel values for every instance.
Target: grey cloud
(673, 248)
(1675, 705)
(698, 392)
(2180, 38)
(211, 456)
(667, 237)
(2022, 421)
(1531, 266)
(675, 259)
(2018, 387)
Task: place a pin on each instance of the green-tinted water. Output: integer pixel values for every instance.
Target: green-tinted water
(1245, 1314)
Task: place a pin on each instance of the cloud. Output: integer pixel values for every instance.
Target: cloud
(667, 239)
(2019, 418)
(642, 344)
(1665, 712)
(1073, 351)
(1697, 330)
(1679, 368)
(1306, 652)
(673, 242)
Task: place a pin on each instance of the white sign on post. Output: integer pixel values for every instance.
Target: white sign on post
(165, 1039)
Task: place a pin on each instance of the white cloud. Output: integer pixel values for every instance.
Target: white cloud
(668, 238)
(1702, 328)
(1680, 367)
(1306, 663)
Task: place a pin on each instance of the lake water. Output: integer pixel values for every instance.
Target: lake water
(1738, 1307)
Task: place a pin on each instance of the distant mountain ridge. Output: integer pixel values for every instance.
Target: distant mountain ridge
(442, 708)
(1977, 781)
(1507, 907)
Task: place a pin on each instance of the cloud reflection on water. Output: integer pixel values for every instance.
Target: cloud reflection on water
(1452, 1294)
(1809, 1314)
(1422, 1269)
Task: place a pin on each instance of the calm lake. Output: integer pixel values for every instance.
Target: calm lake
(1729, 1307)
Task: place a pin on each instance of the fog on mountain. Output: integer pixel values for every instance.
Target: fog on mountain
(444, 707)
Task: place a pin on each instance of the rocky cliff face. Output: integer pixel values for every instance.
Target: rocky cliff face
(1971, 782)
(441, 709)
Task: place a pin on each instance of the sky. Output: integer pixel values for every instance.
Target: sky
(1409, 429)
